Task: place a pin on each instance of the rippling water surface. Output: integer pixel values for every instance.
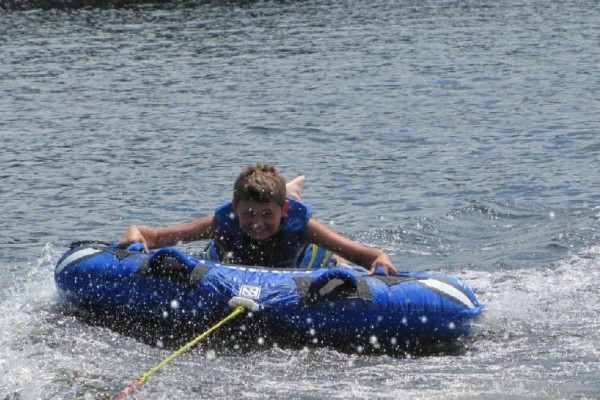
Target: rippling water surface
(458, 136)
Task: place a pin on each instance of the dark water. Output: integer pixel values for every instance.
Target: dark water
(458, 136)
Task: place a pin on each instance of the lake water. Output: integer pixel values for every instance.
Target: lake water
(458, 136)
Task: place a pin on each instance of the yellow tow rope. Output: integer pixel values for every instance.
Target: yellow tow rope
(144, 377)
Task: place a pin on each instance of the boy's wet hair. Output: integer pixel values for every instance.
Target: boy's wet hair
(261, 183)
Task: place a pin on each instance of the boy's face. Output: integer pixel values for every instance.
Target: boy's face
(258, 220)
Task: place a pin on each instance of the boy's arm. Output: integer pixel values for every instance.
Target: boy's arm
(203, 228)
(367, 257)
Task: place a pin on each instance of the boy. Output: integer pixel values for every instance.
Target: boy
(261, 226)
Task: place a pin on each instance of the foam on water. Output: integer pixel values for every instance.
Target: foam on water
(540, 330)
(47, 354)
(559, 297)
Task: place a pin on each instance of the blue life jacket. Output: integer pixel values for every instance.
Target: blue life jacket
(282, 250)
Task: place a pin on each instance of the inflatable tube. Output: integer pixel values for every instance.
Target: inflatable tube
(343, 308)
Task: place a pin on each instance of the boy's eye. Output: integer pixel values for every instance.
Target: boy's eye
(267, 213)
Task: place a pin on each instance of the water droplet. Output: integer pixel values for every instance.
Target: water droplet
(211, 355)
(261, 341)
(174, 304)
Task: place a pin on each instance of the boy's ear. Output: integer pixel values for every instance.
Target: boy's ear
(286, 206)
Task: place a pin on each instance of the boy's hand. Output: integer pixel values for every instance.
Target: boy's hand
(133, 235)
(383, 261)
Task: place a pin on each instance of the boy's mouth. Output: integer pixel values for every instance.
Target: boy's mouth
(257, 231)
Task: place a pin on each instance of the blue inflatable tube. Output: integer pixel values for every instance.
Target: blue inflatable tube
(343, 308)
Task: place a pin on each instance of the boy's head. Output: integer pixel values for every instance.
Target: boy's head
(260, 183)
(259, 201)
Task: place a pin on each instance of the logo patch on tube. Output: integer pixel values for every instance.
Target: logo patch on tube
(250, 292)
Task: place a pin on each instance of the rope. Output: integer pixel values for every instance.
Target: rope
(144, 377)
